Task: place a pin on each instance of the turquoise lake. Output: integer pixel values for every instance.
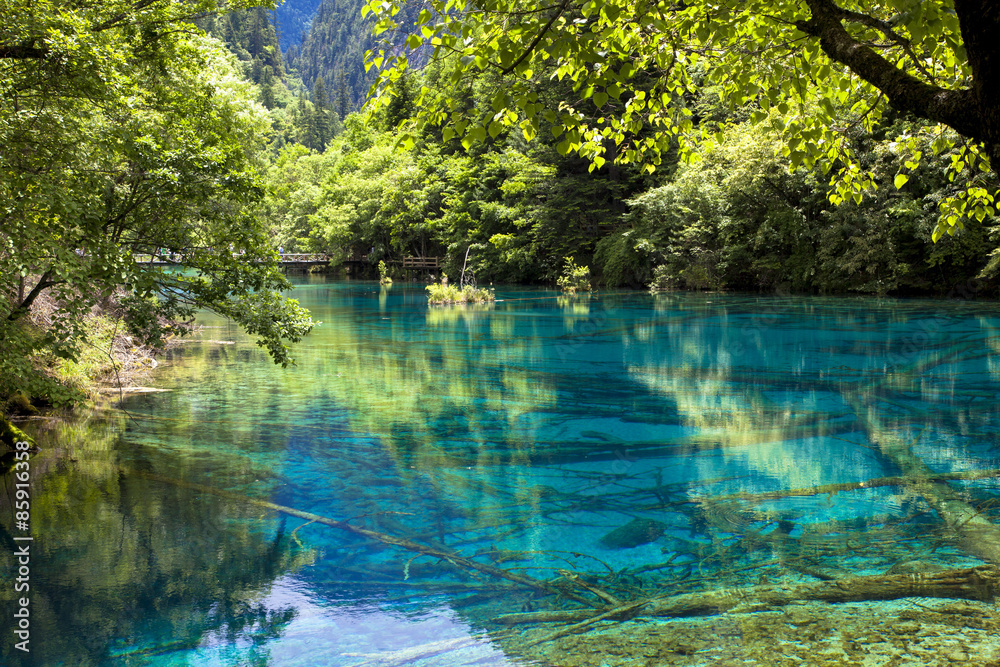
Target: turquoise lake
(547, 455)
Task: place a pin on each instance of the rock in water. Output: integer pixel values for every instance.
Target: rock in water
(633, 533)
(915, 567)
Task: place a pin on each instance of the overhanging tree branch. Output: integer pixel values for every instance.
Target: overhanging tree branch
(541, 33)
(955, 108)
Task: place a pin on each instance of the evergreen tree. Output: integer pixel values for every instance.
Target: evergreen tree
(267, 88)
(320, 97)
(305, 123)
(322, 115)
(343, 95)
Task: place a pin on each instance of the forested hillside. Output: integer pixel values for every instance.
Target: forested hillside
(743, 213)
(821, 159)
(292, 19)
(250, 35)
(738, 218)
(336, 44)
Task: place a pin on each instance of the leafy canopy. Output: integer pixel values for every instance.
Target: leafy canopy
(812, 68)
(127, 133)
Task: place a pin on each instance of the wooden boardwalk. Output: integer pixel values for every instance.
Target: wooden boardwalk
(305, 260)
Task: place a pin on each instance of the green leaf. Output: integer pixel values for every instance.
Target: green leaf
(406, 141)
(900, 180)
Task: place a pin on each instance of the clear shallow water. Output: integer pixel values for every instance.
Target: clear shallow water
(640, 446)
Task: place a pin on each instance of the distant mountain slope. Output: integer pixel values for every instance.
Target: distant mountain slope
(292, 18)
(335, 47)
(250, 35)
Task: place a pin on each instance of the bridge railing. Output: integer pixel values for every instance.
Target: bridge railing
(304, 257)
(285, 258)
(421, 262)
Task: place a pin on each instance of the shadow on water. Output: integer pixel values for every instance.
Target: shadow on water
(122, 570)
(546, 480)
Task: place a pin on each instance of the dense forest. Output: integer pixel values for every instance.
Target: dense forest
(743, 212)
(564, 134)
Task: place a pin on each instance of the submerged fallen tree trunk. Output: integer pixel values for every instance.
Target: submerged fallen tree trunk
(410, 655)
(875, 482)
(427, 550)
(976, 534)
(977, 583)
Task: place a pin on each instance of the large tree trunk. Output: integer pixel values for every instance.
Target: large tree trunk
(972, 112)
(980, 21)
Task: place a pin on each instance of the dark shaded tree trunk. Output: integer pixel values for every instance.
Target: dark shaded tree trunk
(980, 21)
(973, 112)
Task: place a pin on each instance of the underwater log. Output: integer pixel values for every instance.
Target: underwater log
(895, 480)
(976, 583)
(408, 656)
(976, 534)
(437, 552)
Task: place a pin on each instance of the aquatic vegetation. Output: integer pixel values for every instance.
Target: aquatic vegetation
(443, 293)
(574, 278)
